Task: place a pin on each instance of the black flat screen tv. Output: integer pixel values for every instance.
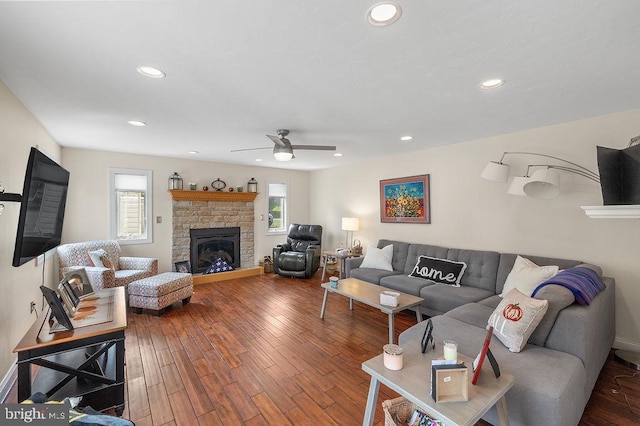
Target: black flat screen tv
(44, 197)
(619, 175)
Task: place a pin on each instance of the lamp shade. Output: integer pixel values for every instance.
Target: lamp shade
(544, 184)
(350, 223)
(498, 172)
(517, 185)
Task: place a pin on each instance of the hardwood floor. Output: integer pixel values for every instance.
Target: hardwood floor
(254, 351)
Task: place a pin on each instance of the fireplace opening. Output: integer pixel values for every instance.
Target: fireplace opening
(210, 244)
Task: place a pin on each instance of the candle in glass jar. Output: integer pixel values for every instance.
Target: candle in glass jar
(392, 357)
(450, 350)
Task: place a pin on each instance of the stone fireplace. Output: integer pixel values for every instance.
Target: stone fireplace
(194, 211)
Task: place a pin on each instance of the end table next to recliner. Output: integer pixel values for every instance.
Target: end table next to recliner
(342, 258)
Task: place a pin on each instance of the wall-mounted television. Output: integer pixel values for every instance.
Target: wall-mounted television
(619, 175)
(44, 197)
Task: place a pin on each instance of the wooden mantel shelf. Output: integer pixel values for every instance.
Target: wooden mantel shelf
(212, 196)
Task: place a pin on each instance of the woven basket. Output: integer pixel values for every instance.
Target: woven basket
(266, 267)
(401, 407)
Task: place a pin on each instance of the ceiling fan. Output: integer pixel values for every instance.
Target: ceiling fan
(283, 149)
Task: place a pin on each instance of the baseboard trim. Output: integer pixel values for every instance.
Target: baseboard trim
(7, 382)
(626, 345)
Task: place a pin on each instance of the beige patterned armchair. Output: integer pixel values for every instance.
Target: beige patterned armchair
(124, 270)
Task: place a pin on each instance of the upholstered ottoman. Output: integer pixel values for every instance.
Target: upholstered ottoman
(158, 292)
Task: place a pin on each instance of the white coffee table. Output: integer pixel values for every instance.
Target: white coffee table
(369, 294)
(412, 382)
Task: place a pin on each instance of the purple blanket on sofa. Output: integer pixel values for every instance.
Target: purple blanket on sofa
(584, 283)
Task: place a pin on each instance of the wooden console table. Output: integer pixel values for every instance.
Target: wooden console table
(87, 361)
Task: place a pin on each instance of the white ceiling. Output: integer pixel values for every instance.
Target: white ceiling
(239, 69)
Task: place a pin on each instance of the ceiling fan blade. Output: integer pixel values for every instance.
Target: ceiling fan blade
(276, 140)
(251, 149)
(315, 147)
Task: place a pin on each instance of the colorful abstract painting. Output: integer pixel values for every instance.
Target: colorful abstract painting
(405, 200)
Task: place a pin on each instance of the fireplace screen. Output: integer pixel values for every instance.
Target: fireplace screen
(211, 244)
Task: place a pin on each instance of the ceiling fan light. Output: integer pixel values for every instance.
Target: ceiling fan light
(283, 153)
(283, 156)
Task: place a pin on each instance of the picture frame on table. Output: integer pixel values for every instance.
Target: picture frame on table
(67, 296)
(183, 267)
(479, 360)
(405, 200)
(427, 337)
(79, 282)
(57, 310)
(69, 291)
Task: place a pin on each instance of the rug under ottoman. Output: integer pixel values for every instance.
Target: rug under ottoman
(160, 291)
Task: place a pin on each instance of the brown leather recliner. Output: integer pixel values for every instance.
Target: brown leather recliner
(300, 255)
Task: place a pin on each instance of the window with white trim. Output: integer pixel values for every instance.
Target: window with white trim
(277, 214)
(130, 206)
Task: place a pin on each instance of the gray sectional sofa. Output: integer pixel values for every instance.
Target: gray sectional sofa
(557, 369)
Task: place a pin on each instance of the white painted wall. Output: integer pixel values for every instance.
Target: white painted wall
(87, 207)
(19, 131)
(470, 212)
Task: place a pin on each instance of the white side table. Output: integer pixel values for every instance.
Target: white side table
(412, 382)
(342, 259)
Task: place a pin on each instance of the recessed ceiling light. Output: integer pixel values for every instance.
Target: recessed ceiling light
(258, 159)
(406, 138)
(194, 152)
(137, 123)
(151, 72)
(337, 154)
(383, 14)
(491, 84)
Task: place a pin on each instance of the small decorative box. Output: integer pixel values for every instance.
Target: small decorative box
(449, 382)
(389, 298)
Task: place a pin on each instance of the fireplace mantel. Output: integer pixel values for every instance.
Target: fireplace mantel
(212, 196)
